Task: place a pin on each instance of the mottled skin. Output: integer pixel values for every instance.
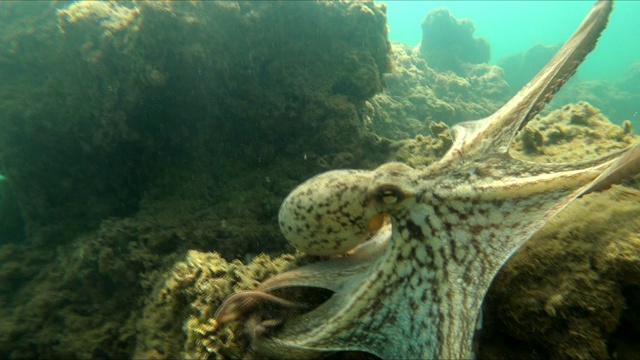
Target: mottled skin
(415, 289)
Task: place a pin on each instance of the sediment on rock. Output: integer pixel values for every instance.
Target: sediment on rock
(134, 132)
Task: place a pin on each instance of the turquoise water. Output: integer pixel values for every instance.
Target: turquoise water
(515, 26)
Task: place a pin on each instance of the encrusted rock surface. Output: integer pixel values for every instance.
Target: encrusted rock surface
(618, 98)
(107, 102)
(522, 67)
(147, 144)
(178, 318)
(134, 132)
(417, 95)
(448, 43)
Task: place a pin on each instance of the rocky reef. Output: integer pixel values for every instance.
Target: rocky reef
(147, 147)
(522, 67)
(134, 132)
(448, 43)
(574, 132)
(121, 106)
(572, 291)
(445, 79)
(193, 290)
(417, 95)
(618, 98)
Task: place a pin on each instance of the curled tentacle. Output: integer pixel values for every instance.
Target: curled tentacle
(236, 305)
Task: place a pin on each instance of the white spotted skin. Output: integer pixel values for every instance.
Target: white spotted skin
(325, 215)
(334, 212)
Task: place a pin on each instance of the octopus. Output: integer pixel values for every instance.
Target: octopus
(412, 252)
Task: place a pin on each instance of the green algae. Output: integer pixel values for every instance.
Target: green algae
(145, 141)
(162, 127)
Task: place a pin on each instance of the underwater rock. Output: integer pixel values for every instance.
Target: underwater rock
(12, 222)
(562, 135)
(424, 150)
(448, 43)
(136, 92)
(178, 318)
(163, 127)
(417, 94)
(618, 98)
(133, 132)
(96, 284)
(522, 67)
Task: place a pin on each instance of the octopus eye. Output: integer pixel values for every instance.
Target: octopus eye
(389, 197)
(389, 194)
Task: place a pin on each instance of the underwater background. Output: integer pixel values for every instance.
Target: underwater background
(145, 149)
(512, 27)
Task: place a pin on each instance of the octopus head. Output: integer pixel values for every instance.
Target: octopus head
(336, 211)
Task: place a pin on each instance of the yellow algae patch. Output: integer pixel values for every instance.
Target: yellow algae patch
(111, 15)
(178, 318)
